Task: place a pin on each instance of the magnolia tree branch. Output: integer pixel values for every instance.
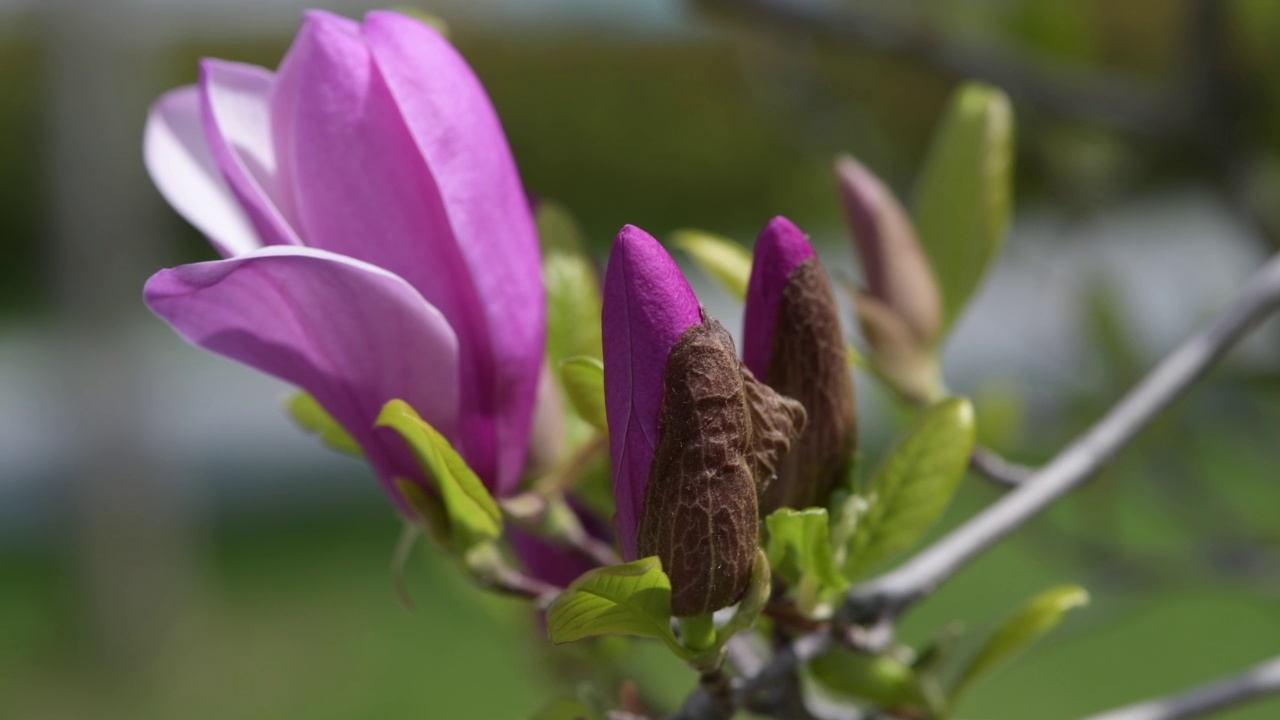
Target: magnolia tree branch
(1111, 99)
(994, 467)
(877, 604)
(1257, 682)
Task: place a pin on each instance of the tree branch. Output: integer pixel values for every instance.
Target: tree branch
(1257, 682)
(999, 470)
(888, 595)
(1110, 99)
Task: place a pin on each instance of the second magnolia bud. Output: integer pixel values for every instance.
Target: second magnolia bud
(793, 342)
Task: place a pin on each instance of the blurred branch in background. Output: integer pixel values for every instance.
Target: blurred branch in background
(1256, 682)
(129, 532)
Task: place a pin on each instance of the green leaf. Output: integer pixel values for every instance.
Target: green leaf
(573, 286)
(472, 514)
(584, 384)
(1033, 620)
(800, 547)
(963, 194)
(914, 484)
(753, 600)
(309, 416)
(881, 679)
(629, 599)
(727, 262)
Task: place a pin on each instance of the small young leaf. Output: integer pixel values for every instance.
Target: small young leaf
(800, 545)
(312, 418)
(573, 286)
(1037, 617)
(629, 599)
(584, 384)
(962, 197)
(881, 679)
(727, 262)
(752, 602)
(472, 513)
(913, 485)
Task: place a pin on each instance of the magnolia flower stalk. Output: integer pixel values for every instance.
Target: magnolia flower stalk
(693, 435)
(378, 242)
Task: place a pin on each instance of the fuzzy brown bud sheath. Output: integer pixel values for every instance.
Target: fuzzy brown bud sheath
(792, 340)
(720, 435)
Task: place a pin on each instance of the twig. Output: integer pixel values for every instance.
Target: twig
(1257, 682)
(994, 467)
(1109, 99)
(888, 595)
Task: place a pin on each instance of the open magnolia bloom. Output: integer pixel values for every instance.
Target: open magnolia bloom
(693, 436)
(377, 239)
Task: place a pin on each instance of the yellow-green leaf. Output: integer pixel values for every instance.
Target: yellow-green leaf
(472, 514)
(881, 679)
(584, 384)
(309, 416)
(727, 262)
(800, 546)
(1033, 620)
(629, 599)
(573, 286)
(963, 194)
(914, 484)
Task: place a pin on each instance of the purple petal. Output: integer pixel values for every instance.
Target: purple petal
(647, 307)
(780, 248)
(352, 335)
(235, 100)
(411, 173)
(178, 160)
(458, 135)
(552, 563)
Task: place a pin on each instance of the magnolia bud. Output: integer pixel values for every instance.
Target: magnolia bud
(897, 273)
(717, 442)
(693, 435)
(792, 340)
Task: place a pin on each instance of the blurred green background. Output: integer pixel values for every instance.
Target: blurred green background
(170, 547)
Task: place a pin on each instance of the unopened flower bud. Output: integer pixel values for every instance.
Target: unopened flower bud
(897, 273)
(792, 341)
(692, 433)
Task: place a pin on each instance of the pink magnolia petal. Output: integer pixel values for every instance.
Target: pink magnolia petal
(780, 248)
(365, 189)
(647, 307)
(352, 335)
(457, 133)
(235, 101)
(180, 164)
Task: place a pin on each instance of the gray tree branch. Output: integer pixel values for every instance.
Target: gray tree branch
(1257, 682)
(885, 597)
(1110, 99)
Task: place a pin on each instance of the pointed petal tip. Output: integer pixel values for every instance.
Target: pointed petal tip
(780, 249)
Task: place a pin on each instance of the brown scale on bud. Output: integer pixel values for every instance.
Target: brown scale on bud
(720, 434)
(807, 362)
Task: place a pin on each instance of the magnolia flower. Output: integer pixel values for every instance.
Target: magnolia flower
(900, 311)
(377, 240)
(692, 435)
(791, 340)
